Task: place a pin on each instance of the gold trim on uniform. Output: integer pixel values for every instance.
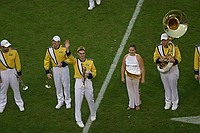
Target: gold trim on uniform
(132, 76)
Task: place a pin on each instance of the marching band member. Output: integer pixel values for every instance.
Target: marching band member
(10, 68)
(166, 54)
(84, 71)
(196, 62)
(92, 4)
(56, 55)
(133, 68)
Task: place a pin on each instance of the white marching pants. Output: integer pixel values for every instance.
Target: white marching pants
(133, 91)
(169, 80)
(91, 3)
(80, 91)
(62, 82)
(9, 77)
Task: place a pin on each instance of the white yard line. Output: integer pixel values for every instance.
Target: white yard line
(191, 119)
(115, 61)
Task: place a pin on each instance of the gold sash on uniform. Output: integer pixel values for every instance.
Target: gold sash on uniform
(52, 54)
(3, 61)
(132, 76)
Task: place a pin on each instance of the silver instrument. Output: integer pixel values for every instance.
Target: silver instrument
(47, 85)
(24, 87)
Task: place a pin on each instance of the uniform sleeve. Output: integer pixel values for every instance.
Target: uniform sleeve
(47, 60)
(196, 61)
(66, 60)
(70, 58)
(177, 55)
(93, 70)
(18, 64)
(156, 56)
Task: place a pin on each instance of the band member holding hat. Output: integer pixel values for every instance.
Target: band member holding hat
(84, 72)
(196, 62)
(133, 68)
(167, 57)
(56, 55)
(10, 73)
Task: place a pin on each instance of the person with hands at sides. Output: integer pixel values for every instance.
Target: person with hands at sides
(56, 55)
(84, 72)
(133, 68)
(10, 73)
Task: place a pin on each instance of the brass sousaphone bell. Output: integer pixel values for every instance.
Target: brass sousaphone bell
(175, 25)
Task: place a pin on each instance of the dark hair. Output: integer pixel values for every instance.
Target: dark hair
(132, 45)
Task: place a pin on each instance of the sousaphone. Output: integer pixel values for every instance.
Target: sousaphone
(175, 25)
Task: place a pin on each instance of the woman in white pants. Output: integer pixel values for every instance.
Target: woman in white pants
(133, 68)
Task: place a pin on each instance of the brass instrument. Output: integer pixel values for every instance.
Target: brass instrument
(166, 66)
(175, 25)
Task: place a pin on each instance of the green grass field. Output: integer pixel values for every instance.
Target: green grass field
(29, 25)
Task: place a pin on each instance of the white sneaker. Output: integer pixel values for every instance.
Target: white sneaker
(167, 106)
(80, 124)
(59, 105)
(21, 109)
(93, 118)
(68, 106)
(98, 2)
(174, 107)
(90, 7)
(1, 110)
